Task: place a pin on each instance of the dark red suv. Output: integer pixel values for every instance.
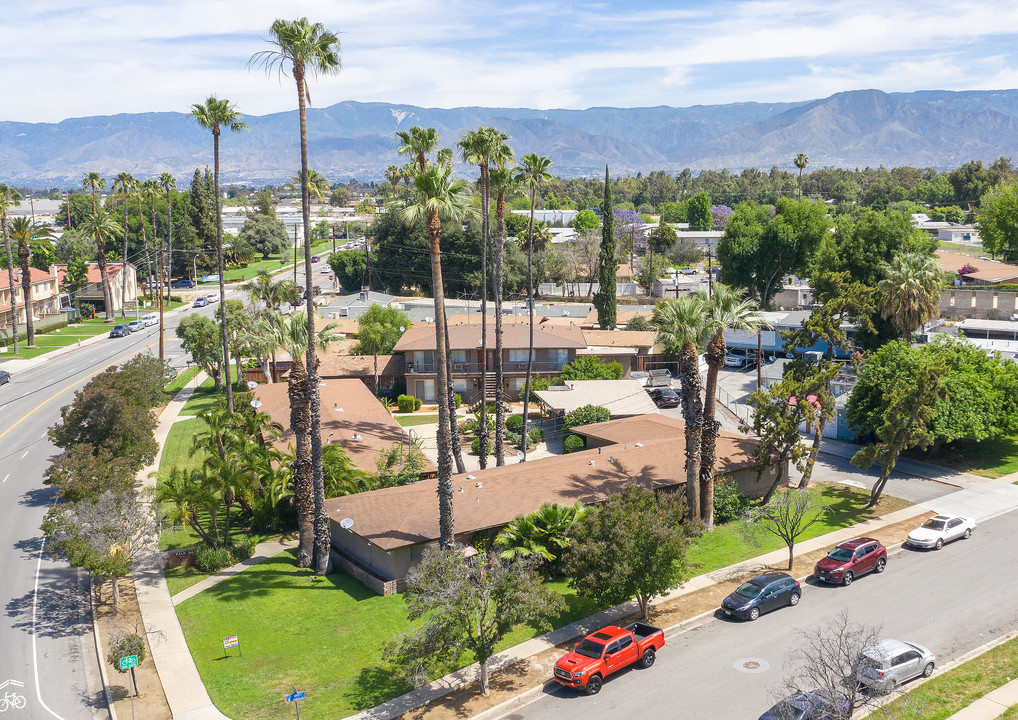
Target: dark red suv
(851, 559)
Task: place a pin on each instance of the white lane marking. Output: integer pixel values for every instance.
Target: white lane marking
(23, 456)
(35, 646)
(7, 478)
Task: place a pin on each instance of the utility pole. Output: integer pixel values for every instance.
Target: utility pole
(159, 288)
(367, 250)
(295, 254)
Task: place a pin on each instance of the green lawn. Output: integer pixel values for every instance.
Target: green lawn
(410, 420)
(177, 449)
(974, 251)
(726, 545)
(281, 614)
(1010, 714)
(203, 399)
(181, 381)
(273, 264)
(62, 337)
(181, 578)
(336, 627)
(990, 458)
(948, 693)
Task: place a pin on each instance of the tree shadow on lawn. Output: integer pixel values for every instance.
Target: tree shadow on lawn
(375, 685)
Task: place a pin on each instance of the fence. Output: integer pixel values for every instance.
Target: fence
(741, 410)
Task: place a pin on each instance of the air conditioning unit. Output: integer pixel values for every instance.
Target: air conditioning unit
(344, 312)
(458, 366)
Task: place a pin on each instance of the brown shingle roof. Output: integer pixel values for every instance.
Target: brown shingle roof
(620, 338)
(985, 269)
(336, 365)
(468, 337)
(408, 515)
(362, 415)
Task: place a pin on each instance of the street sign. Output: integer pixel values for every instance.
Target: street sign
(295, 696)
(131, 661)
(230, 641)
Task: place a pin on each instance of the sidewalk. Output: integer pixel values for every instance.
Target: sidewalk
(182, 685)
(991, 705)
(263, 551)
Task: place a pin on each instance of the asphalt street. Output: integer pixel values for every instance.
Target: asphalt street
(952, 601)
(48, 653)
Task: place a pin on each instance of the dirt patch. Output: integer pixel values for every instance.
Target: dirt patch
(534, 671)
(150, 702)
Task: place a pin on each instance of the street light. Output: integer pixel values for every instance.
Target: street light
(710, 271)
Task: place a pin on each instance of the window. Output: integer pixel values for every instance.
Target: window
(869, 548)
(910, 656)
(519, 356)
(954, 523)
(612, 649)
(459, 384)
(558, 356)
(424, 357)
(459, 356)
(625, 642)
(516, 384)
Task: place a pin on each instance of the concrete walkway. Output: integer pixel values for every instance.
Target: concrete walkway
(263, 551)
(991, 705)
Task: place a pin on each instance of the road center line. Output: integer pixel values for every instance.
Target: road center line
(60, 392)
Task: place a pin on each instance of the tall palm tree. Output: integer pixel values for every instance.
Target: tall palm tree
(139, 193)
(533, 171)
(24, 231)
(801, 161)
(726, 309)
(506, 186)
(151, 190)
(910, 291)
(273, 295)
(680, 324)
(102, 228)
(8, 197)
(124, 184)
(308, 48)
(418, 143)
(95, 181)
(434, 194)
(318, 184)
(393, 174)
(168, 183)
(215, 115)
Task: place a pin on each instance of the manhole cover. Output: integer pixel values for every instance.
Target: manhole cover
(751, 665)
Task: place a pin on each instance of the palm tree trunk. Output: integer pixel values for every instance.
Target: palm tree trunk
(123, 275)
(530, 303)
(144, 242)
(222, 278)
(169, 243)
(454, 433)
(445, 505)
(10, 279)
(303, 494)
(499, 372)
(26, 291)
(376, 374)
(482, 431)
(716, 350)
(692, 415)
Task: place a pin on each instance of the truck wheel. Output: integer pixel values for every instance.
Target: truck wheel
(648, 658)
(593, 686)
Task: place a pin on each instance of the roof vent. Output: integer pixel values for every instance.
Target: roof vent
(591, 462)
(471, 477)
(478, 485)
(638, 445)
(356, 436)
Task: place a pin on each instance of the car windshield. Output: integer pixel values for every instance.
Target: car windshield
(840, 554)
(589, 648)
(748, 590)
(934, 524)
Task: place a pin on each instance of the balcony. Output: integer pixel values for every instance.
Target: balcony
(421, 368)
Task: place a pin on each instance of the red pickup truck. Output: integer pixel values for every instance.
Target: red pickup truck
(608, 650)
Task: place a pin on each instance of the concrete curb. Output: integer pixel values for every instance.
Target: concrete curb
(99, 652)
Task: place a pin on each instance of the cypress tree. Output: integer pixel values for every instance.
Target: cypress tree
(605, 300)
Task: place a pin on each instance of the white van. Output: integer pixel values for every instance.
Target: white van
(150, 319)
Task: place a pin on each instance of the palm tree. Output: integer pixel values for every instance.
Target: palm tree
(418, 143)
(800, 161)
(910, 291)
(503, 179)
(726, 309)
(102, 228)
(8, 197)
(434, 194)
(95, 181)
(151, 191)
(168, 183)
(24, 231)
(680, 326)
(318, 184)
(139, 193)
(393, 174)
(214, 115)
(533, 171)
(290, 334)
(308, 48)
(273, 294)
(124, 184)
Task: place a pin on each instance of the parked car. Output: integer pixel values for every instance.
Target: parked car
(739, 360)
(185, 283)
(763, 593)
(891, 663)
(150, 319)
(688, 271)
(816, 705)
(136, 325)
(851, 559)
(316, 258)
(200, 301)
(5, 377)
(664, 397)
(607, 651)
(120, 331)
(941, 529)
(212, 298)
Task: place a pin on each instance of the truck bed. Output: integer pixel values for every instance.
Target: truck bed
(642, 630)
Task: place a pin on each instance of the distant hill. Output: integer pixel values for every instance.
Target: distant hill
(933, 128)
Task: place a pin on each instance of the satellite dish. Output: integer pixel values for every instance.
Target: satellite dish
(346, 523)
(519, 455)
(402, 329)
(251, 384)
(429, 319)
(256, 404)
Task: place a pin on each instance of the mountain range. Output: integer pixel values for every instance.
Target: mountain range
(930, 128)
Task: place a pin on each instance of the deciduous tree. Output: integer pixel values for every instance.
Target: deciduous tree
(786, 516)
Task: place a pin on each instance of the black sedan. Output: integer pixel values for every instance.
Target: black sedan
(665, 397)
(762, 594)
(120, 331)
(816, 705)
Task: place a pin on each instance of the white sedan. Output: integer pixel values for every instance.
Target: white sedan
(941, 529)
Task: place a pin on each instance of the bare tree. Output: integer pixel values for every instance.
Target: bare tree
(787, 516)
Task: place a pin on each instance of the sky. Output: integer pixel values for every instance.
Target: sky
(74, 58)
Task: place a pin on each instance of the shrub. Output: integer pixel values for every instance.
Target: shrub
(242, 550)
(458, 399)
(516, 440)
(514, 423)
(475, 446)
(536, 435)
(210, 559)
(417, 404)
(586, 415)
(573, 443)
(124, 646)
(729, 505)
(468, 426)
(406, 403)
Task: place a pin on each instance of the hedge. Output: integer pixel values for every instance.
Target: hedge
(407, 403)
(514, 423)
(586, 415)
